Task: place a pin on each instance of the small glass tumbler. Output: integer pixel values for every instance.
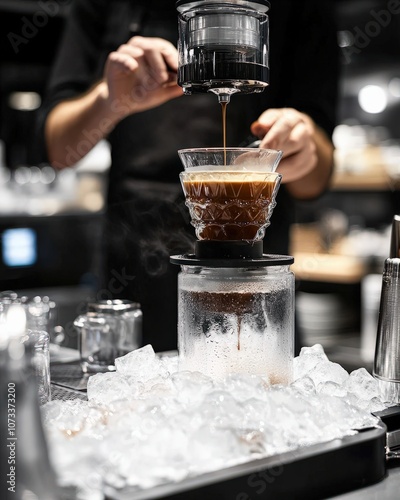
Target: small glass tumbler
(37, 350)
(99, 341)
(124, 311)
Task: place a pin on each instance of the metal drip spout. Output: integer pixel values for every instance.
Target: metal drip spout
(224, 94)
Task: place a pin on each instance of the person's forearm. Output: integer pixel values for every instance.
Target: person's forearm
(75, 126)
(315, 183)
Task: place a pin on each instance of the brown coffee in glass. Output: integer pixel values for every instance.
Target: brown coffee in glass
(230, 192)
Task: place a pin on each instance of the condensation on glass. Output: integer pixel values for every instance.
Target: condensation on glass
(237, 320)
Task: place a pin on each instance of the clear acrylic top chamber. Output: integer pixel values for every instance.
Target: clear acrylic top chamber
(223, 46)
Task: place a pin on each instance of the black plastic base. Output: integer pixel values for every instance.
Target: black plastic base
(206, 249)
(240, 254)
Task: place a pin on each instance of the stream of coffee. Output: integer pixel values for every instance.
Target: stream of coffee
(223, 108)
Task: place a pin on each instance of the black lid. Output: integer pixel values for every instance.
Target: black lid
(228, 253)
(266, 260)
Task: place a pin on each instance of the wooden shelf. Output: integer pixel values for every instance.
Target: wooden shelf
(364, 172)
(328, 268)
(313, 263)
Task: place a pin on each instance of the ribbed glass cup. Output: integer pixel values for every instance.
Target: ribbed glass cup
(230, 192)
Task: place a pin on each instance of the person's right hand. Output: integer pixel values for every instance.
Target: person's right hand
(141, 75)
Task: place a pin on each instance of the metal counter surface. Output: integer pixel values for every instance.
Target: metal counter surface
(388, 489)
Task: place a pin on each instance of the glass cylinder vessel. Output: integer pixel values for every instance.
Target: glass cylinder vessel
(237, 320)
(223, 46)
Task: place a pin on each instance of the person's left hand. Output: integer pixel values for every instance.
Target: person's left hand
(292, 132)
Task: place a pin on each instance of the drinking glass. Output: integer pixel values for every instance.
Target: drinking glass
(37, 351)
(99, 341)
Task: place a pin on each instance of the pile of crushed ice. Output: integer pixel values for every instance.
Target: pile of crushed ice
(147, 423)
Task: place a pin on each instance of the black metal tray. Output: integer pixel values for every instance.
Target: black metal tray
(313, 472)
(391, 418)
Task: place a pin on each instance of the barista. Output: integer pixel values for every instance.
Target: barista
(115, 78)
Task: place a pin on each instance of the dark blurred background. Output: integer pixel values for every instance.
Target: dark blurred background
(50, 222)
(368, 33)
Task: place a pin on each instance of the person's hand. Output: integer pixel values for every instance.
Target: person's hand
(292, 132)
(140, 75)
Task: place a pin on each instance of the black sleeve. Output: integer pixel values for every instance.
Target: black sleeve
(313, 88)
(78, 62)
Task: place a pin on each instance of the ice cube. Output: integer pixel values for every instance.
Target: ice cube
(105, 388)
(170, 363)
(375, 405)
(332, 389)
(219, 408)
(191, 387)
(340, 417)
(214, 448)
(257, 413)
(304, 385)
(289, 399)
(363, 385)
(65, 416)
(141, 364)
(157, 387)
(326, 371)
(243, 386)
(307, 359)
(369, 405)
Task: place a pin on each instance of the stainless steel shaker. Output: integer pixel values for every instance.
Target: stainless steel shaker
(387, 351)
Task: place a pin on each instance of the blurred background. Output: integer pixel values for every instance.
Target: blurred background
(51, 222)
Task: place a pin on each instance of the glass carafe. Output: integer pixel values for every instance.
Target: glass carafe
(237, 320)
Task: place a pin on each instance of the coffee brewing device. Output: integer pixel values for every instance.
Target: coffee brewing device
(235, 303)
(223, 46)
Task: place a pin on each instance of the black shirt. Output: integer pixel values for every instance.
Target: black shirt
(303, 69)
(147, 218)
